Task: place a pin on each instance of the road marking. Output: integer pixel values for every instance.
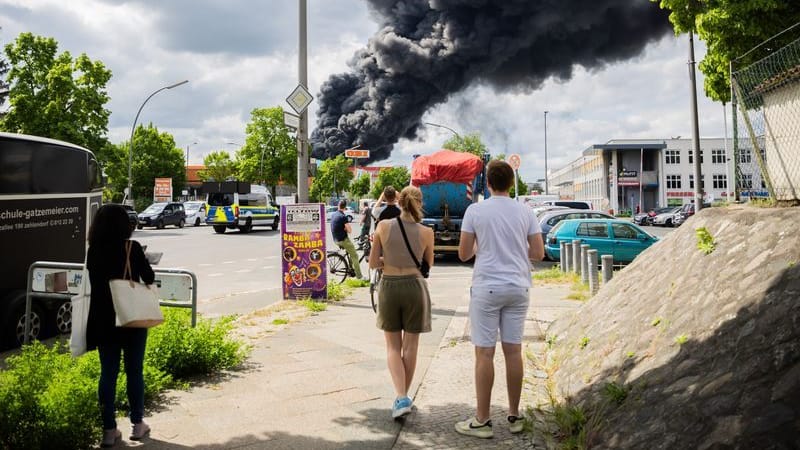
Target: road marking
(215, 274)
(269, 267)
(270, 257)
(251, 259)
(244, 271)
(205, 264)
(228, 262)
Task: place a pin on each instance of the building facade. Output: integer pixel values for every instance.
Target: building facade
(631, 175)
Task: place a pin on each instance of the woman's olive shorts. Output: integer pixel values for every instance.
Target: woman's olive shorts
(404, 304)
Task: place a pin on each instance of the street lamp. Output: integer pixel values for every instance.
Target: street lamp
(187, 153)
(445, 127)
(546, 180)
(133, 128)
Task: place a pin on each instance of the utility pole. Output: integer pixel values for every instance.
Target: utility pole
(698, 176)
(546, 179)
(302, 131)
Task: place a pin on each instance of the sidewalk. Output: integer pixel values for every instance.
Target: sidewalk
(322, 383)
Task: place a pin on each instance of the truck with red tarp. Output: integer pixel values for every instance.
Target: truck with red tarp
(450, 181)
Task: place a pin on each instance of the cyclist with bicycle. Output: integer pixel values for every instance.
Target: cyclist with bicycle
(340, 230)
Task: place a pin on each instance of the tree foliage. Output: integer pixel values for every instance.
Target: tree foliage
(3, 84)
(155, 155)
(332, 178)
(269, 155)
(54, 95)
(397, 177)
(730, 28)
(360, 186)
(219, 166)
(470, 143)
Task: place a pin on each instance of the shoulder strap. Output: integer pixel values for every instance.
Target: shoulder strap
(126, 275)
(408, 246)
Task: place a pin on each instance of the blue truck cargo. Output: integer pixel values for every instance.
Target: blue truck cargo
(444, 204)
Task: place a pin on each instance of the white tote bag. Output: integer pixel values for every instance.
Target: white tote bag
(136, 304)
(80, 316)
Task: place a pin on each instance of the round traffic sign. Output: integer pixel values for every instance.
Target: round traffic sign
(514, 161)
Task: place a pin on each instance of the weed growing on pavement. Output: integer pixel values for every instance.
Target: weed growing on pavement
(554, 275)
(356, 283)
(682, 339)
(615, 393)
(550, 340)
(280, 321)
(583, 342)
(313, 305)
(337, 292)
(630, 355)
(705, 241)
(656, 321)
(580, 291)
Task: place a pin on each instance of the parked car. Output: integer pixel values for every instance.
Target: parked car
(195, 212)
(133, 217)
(666, 218)
(618, 238)
(574, 204)
(160, 215)
(549, 219)
(645, 219)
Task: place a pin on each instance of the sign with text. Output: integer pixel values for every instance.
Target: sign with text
(303, 251)
(356, 153)
(162, 191)
(514, 161)
(291, 120)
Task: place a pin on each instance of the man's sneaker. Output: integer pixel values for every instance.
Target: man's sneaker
(515, 424)
(472, 427)
(140, 430)
(401, 407)
(110, 437)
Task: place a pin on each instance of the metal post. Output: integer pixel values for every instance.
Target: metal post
(608, 268)
(698, 176)
(584, 263)
(566, 248)
(594, 286)
(546, 179)
(302, 131)
(576, 255)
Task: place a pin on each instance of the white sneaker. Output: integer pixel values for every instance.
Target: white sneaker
(140, 430)
(110, 437)
(515, 424)
(472, 427)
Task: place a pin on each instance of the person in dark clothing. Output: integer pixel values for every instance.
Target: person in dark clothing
(106, 261)
(340, 231)
(390, 210)
(366, 222)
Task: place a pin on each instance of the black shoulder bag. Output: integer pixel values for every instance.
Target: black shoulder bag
(424, 268)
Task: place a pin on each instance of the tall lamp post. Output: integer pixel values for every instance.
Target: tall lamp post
(187, 154)
(445, 127)
(133, 128)
(546, 179)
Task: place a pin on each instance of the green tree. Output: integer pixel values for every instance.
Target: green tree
(3, 84)
(397, 177)
(470, 143)
(332, 178)
(56, 96)
(155, 155)
(269, 155)
(360, 186)
(730, 28)
(219, 166)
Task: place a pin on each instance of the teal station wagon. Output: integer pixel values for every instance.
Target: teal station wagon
(618, 238)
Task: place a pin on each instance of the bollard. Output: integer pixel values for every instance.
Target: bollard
(584, 264)
(594, 284)
(566, 252)
(608, 268)
(576, 256)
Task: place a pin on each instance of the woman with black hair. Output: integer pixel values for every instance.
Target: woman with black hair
(106, 260)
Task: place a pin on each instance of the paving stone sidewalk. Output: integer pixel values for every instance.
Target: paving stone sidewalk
(447, 392)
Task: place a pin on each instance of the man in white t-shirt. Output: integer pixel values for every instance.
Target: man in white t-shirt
(504, 237)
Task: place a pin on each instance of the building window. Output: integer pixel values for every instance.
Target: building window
(673, 156)
(702, 181)
(720, 181)
(673, 181)
(763, 154)
(691, 157)
(745, 156)
(718, 156)
(747, 181)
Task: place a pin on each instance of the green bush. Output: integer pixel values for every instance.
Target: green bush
(182, 351)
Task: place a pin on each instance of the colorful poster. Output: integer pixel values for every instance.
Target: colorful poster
(303, 251)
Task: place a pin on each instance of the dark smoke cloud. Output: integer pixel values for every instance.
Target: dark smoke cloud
(427, 50)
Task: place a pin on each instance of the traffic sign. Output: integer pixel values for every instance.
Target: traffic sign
(299, 99)
(291, 121)
(356, 153)
(514, 161)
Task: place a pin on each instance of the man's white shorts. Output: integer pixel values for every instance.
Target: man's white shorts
(497, 308)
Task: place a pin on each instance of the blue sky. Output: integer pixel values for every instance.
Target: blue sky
(239, 55)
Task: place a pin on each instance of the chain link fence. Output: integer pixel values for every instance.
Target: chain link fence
(766, 95)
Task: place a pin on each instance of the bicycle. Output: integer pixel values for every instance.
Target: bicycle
(339, 262)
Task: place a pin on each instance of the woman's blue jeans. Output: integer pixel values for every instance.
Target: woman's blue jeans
(130, 342)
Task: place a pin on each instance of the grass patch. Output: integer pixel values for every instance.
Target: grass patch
(313, 305)
(338, 292)
(583, 342)
(554, 275)
(705, 241)
(580, 291)
(763, 203)
(356, 283)
(615, 393)
(280, 321)
(682, 339)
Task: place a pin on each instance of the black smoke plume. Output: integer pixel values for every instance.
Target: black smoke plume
(427, 50)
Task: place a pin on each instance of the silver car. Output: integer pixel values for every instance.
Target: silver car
(667, 218)
(195, 212)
